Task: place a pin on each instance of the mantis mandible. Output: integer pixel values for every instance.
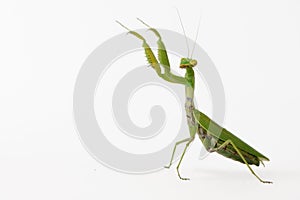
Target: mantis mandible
(213, 136)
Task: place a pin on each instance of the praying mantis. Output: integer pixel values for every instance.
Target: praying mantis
(214, 137)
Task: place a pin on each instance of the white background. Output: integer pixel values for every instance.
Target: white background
(254, 44)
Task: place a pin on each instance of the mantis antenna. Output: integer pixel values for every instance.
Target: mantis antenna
(123, 25)
(196, 35)
(186, 40)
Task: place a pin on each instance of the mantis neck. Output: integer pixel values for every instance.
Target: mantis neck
(189, 101)
(189, 89)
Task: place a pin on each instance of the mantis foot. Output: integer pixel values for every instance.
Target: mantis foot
(185, 179)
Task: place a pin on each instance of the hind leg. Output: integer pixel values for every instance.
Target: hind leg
(227, 142)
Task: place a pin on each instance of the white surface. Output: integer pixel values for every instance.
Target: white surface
(255, 46)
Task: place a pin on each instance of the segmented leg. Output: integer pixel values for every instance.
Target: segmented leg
(174, 149)
(167, 75)
(186, 146)
(227, 142)
(163, 56)
(162, 53)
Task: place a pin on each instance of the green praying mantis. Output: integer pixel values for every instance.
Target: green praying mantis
(213, 136)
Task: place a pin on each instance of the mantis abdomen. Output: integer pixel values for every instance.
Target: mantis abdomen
(210, 143)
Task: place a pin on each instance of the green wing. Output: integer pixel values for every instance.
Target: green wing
(213, 128)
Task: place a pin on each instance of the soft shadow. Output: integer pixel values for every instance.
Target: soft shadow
(227, 175)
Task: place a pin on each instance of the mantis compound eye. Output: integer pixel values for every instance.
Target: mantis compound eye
(193, 63)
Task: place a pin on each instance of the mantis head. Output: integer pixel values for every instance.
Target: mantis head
(187, 62)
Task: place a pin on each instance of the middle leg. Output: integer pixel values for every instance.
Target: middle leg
(186, 146)
(177, 143)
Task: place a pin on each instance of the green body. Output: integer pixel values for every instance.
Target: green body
(214, 137)
(209, 130)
